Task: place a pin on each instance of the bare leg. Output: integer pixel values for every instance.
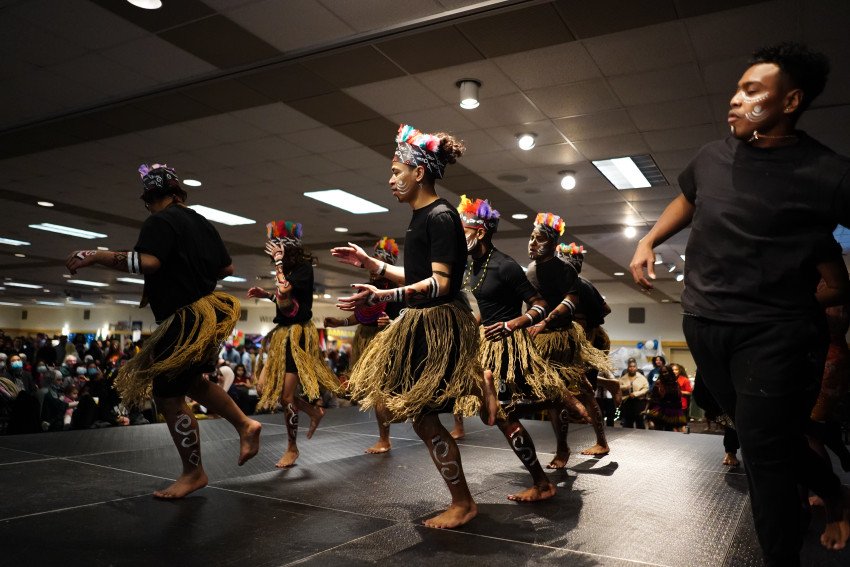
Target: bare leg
(383, 445)
(184, 432)
(217, 400)
(489, 399)
(837, 530)
(523, 446)
(559, 416)
(290, 415)
(458, 432)
(315, 412)
(587, 397)
(446, 457)
(612, 386)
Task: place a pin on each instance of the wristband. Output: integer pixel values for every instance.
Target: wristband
(383, 269)
(530, 318)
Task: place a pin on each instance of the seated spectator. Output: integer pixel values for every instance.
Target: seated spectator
(665, 403)
(70, 397)
(53, 406)
(243, 391)
(634, 386)
(22, 379)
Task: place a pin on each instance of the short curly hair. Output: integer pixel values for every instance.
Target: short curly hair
(807, 69)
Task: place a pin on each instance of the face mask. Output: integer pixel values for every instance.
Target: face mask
(92, 371)
(17, 365)
(41, 369)
(81, 371)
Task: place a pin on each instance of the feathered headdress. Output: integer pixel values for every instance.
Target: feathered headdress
(415, 148)
(478, 213)
(571, 249)
(287, 232)
(551, 224)
(387, 250)
(158, 180)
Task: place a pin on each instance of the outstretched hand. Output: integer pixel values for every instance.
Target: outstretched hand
(351, 254)
(537, 328)
(366, 295)
(275, 250)
(80, 259)
(496, 332)
(644, 258)
(258, 293)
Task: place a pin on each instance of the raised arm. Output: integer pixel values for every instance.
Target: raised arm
(356, 256)
(675, 217)
(126, 261)
(437, 285)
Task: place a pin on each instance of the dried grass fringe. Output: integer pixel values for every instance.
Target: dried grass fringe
(384, 374)
(557, 345)
(362, 337)
(193, 346)
(313, 373)
(598, 337)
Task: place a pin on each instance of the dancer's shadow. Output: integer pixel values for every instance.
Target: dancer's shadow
(589, 467)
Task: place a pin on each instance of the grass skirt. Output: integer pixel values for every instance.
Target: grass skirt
(599, 338)
(570, 351)
(313, 373)
(203, 325)
(362, 337)
(667, 411)
(424, 361)
(519, 372)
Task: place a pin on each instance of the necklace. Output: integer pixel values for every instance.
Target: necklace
(468, 274)
(756, 136)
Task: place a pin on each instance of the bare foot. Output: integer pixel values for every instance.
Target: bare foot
(314, 421)
(597, 451)
(730, 460)
(534, 493)
(288, 459)
(380, 447)
(560, 460)
(458, 433)
(815, 500)
(183, 486)
(249, 441)
(454, 517)
(491, 402)
(836, 533)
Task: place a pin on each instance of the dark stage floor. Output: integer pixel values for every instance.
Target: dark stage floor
(83, 498)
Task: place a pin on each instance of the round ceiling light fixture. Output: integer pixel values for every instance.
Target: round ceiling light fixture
(468, 93)
(192, 182)
(526, 141)
(146, 4)
(630, 232)
(568, 179)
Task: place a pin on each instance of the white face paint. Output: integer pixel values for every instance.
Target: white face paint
(401, 187)
(471, 244)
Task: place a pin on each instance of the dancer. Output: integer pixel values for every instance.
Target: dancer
(181, 256)
(523, 379)
(561, 340)
(370, 319)
(752, 319)
(434, 343)
(293, 345)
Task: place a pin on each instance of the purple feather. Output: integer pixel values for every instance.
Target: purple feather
(144, 169)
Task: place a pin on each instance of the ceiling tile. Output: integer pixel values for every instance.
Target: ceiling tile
(680, 138)
(371, 133)
(721, 77)
(174, 106)
(435, 120)
(516, 30)
(555, 155)
(548, 66)
(545, 132)
(597, 125)
(178, 136)
(233, 45)
(444, 81)
(825, 20)
(455, 49)
(320, 140)
(588, 19)
(356, 66)
(395, 95)
(837, 91)
(225, 128)
(357, 158)
(500, 111)
(575, 99)
(370, 15)
(226, 95)
(821, 123)
(658, 86)
(171, 14)
(673, 159)
(500, 161)
(287, 82)
(20, 39)
(310, 164)
(276, 118)
(154, 57)
(615, 146)
(643, 49)
(334, 109)
(671, 114)
(479, 141)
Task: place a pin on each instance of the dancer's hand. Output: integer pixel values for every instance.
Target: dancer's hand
(496, 332)
(275, 250)
(334, 322)
(259, 293)
(644, 258)
(366, 295)
(80, 259)
(354, 255)
(537, 328)
(384, 320)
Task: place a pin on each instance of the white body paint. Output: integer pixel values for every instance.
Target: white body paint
(183, 428)
(450, 470)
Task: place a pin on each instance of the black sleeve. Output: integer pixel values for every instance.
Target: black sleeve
(443, 237)
(687, 182)
(570, 276)
(841, 201)
(512, 274)
(157, 238)
(226, 260)
(301, 278)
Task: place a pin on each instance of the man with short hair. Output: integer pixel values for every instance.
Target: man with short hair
(762, 205)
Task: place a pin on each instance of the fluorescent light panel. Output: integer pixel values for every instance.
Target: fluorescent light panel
(13, 242)
(222, 217)
(53, 303)
(67, 230)
(346, 201)
(75, 302)
(24, 285)
(622, 173)
(139, 281)
(87, 282)
(127, 302)
(10, 304)
(235, 279)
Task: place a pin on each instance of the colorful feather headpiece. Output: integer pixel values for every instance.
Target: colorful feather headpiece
(551, 224)
(287, 232)
(158, 180)
(387, 250)
(571, 249)
(415, 148)
(478, 213)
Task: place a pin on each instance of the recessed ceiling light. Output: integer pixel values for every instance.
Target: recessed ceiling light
(346, 201)
(66, 276)
(127, 302)
(77, 302)
(45, 203)
(340, 229)
(222, 217)
(19, 255)
(192, 182)
(619, 273)
(67, 230)
(519, 216)
(468, 93)
(665, 301)
(10, 304)
(87, 282)
(568, 180)
(46, 290)
(671, 268)
(146, 4)
(54, 303)
(680, 277)
(13, 242)
(630, 232)
(102, 248)
(658, 259)
(236, 279)
(23, 285)
(526, 141)
(139, 281)
(682, 256)
(326, 296)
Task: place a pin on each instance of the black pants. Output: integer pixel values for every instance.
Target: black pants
(608, 410)
(631, 412)
(767, 376)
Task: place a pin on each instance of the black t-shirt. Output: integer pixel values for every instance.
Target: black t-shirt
(554, 280)
(191, 254)
(301, 279)
(504, 288)
(763, 220)
(435, 234)
(591, 304)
